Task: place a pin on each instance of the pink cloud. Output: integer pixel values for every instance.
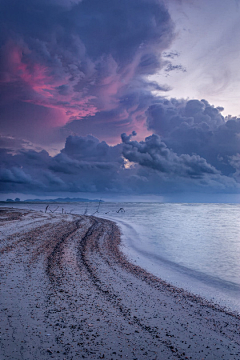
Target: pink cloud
(72, 94)
(42, 87)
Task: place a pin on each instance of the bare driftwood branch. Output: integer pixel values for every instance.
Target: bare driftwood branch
(97, 207)
(120, 210)
(46, 208)
(86, 210)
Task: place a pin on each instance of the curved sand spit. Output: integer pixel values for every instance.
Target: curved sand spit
(67, 292)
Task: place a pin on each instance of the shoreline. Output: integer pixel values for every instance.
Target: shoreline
(68, 292)
(190, 281)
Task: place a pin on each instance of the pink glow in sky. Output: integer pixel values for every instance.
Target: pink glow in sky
(42, 85)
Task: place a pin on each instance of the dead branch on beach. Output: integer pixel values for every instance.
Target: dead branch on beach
(53, 211)
(86, 210)
(120, 210)
(97, 211)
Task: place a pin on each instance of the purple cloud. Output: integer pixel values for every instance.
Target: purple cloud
(154, 154)
(78, 59)
(196, 127)
(87, 165)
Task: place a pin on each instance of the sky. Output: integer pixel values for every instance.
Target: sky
(120, 100)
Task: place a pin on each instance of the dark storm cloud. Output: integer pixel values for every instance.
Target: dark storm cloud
(84, 154)
(14, 175)
(78, 58)
(154, 154)
(90, 148)
(196, 127)
(87, 165)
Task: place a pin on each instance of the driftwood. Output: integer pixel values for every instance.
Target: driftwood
(53, 211)
(120, 210)
(86, 210)
(97, 207)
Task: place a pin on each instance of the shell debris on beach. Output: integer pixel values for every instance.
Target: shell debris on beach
(68, 292)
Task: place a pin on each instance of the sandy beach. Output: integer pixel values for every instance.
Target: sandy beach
(67, 292)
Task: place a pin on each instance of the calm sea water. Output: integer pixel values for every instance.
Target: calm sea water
(193, 246)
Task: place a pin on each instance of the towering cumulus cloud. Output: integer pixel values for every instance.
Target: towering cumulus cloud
(196, 127)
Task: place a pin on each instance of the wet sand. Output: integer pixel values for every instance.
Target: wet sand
(67, 292)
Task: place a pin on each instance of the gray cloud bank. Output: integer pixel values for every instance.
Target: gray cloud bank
(196, 127)
(193, 149)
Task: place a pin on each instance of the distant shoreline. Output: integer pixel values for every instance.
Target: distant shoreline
(70, 293)
(58, 200)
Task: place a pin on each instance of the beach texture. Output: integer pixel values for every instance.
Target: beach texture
(67, 292)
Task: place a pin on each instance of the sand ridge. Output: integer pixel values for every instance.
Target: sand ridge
(67, 292)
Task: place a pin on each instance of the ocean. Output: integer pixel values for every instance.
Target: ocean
(192, 246)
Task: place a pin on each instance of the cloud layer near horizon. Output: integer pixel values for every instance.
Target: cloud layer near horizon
(157, 165)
